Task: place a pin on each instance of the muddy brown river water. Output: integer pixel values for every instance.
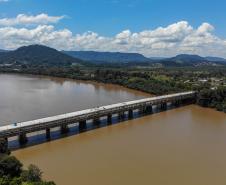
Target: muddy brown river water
(184, 146)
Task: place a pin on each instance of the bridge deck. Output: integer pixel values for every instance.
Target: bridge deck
(13, 129)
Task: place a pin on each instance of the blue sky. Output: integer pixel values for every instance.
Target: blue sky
(108, 18)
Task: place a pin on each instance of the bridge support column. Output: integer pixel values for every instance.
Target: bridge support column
(130, 114)
(96, 121)
(193, 100)
(184, 101)
(23, 138)
(142, 110)
(121, 116)
(64, 129)
(109, 118)
(48, 133)
(177, 103)
(4, 145)
(189, 101)
(164, 106)
(82, 125)
(148, 109)
(174, 103)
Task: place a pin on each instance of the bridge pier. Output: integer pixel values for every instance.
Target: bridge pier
(188, 101)
(109, 118)
(148, 109)
(23, 138)
(142, 110)
(184, 102)
(64, 129)
(193, 100)
(82, 125)
(130, 114)
(121, 116)
(96, 121)
(163, 106)
(4, 145)
(177, 103)
(48, 133)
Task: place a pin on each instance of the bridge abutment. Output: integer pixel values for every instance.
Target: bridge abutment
(189, 101)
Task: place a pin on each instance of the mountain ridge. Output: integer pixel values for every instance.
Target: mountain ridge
(213, 59)
(192, 60)
(43, 55)
(110, 57)
(37, 55)
(119, 57)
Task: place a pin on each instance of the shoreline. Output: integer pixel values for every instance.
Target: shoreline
(81, 80)
(93, 81)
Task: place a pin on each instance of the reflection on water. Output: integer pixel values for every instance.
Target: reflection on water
(184, 146)
(26, 98)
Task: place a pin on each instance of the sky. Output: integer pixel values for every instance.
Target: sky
(155, 28)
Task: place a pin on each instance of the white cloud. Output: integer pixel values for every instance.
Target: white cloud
(23, 19)
(174, 39)
(11, 38)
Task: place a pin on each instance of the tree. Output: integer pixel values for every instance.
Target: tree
(4, 146)
(10, 166)
(33, 174)
(11, 173)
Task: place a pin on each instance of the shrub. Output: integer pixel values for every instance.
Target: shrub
(33, 174)
(10, 166)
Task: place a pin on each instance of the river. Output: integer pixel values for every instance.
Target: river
(24, 98)
(180, 146)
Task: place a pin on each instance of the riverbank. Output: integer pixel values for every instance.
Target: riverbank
(136, 80)
(148, 81)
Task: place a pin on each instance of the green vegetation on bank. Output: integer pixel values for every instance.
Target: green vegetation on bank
(209, 82)
(213, 98)
(12, 173)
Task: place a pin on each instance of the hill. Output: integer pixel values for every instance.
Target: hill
(185, 60)
(107, 57)
(216, 59)
(3, 51)
(136, 59)
(37, 55)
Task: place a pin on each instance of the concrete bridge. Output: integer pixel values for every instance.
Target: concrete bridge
(81, 117)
